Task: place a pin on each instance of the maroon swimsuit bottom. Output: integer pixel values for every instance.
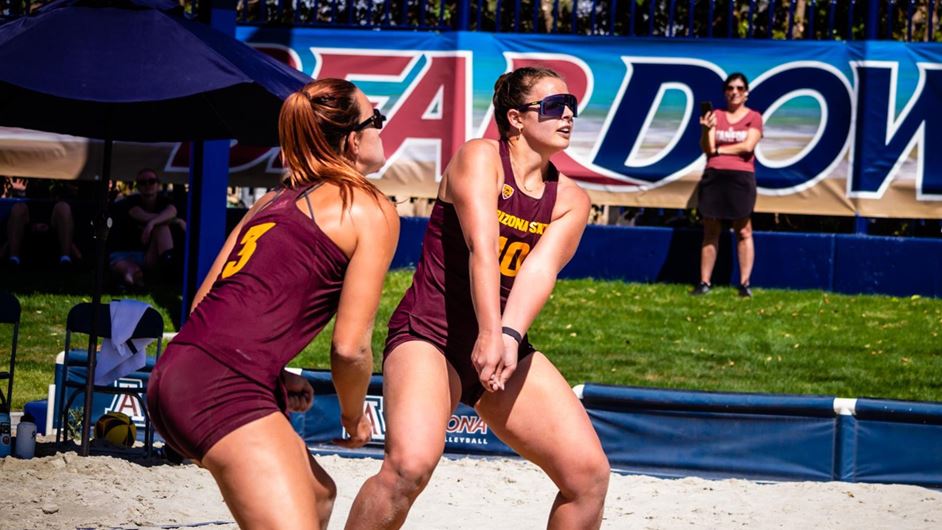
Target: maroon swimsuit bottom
(195, 400)
(457, 355)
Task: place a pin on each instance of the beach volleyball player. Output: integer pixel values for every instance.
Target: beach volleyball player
(318, 246)
(503, 226)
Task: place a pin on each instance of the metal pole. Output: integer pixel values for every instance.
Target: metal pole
(873, 18)
(870, 30)
(102, 224)
(464, 15)
(209, 176)
(860, 225)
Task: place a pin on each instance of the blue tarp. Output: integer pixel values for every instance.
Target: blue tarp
(681, 433)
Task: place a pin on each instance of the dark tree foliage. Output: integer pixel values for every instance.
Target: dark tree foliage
(908, 20)
(904, 20)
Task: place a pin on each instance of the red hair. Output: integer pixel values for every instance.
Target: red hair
(313, 128)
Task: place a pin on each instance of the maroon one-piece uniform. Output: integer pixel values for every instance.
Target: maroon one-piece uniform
(438, 308)
(278, 289)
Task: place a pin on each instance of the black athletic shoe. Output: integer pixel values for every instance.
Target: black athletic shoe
(701, 289)
(745, 291)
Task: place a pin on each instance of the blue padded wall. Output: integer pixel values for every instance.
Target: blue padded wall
(835, 262)
(708, 434)
(888, 265)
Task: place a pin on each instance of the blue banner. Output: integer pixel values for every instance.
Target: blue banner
(848, 126)
(466, 432)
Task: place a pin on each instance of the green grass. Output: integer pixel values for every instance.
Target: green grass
(796, 342)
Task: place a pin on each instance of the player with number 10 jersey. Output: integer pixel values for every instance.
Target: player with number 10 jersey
(504, 224)
(438, 306)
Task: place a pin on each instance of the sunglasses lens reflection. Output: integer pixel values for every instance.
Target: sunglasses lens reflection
(554, 106)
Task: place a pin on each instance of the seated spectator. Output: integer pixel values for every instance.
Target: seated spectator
(142, 240)
(48, 208)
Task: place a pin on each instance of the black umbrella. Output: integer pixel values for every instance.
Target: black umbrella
(134, 70)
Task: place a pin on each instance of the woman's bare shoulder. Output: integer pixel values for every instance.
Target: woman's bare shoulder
(475, 159)
(570, 195)
(479, 147)
(372, 207)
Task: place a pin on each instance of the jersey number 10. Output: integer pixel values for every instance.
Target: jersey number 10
(511, 256)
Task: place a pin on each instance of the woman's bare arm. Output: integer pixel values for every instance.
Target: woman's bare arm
(707, 129)
(351, 354)
(537, 276)
(745, 147)
(169, 213)
(472, 186)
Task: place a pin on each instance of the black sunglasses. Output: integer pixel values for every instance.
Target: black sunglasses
(554, 106)
(737, 88)
(145, 182)
(376, 120)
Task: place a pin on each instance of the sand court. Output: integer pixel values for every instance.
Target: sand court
(65, 491)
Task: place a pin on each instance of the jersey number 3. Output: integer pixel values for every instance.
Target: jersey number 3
(248, 248)
(511, 256)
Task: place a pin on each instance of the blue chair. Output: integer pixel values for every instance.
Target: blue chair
(9, 314)
(75, 364)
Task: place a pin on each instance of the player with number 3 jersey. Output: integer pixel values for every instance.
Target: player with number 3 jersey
(317, 247)
(504, 224)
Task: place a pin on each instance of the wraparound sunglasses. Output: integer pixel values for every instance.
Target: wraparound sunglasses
(554, 106)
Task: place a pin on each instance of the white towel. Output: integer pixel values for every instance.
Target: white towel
(121, 355)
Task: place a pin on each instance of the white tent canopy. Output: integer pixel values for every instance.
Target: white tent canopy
(27, 153)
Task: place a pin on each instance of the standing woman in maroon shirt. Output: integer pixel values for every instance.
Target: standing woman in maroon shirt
(317, 247)
(503, 226)
(728, 189)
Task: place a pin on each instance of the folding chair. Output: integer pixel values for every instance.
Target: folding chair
(75, 364)
(9, 314)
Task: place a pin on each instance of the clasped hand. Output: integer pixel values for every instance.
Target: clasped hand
(494, 358)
